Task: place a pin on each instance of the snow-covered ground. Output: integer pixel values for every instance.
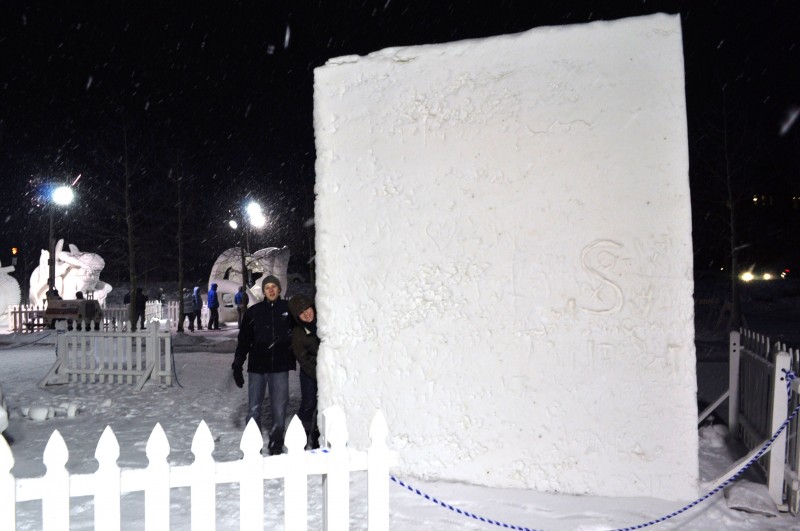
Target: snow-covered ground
(206, 392)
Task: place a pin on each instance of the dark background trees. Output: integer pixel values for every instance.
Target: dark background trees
(229, 86)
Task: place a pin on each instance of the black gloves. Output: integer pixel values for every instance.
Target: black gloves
(238, 377)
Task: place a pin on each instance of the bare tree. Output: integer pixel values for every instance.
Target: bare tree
(722, 185)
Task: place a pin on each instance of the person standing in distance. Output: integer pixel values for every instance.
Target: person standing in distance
(141, 306)
(265, 336)
(213, 308)
(241, 300)
(197, 308)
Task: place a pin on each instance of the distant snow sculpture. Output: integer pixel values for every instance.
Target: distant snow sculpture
(227, 274)
(74, 271)
(9, 293)
(3, 412)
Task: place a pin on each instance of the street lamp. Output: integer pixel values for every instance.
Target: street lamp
(235, 226)
(255, 218)
(61, 195)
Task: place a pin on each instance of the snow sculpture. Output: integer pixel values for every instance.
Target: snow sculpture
(504, 257)
(9, 293)
(74, 271)
(227, 274)
(3, 412)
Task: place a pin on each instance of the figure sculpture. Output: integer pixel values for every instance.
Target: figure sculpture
(9, 293)
(74, 271)
(227, 274)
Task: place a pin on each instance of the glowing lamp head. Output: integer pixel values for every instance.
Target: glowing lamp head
(256, 216)
(63, 195)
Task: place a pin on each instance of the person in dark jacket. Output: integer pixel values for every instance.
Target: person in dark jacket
(197, 308)
(188, 312)
(213, 308)
(141, 305)
(241, 300)
(265, 335)
(305, 345)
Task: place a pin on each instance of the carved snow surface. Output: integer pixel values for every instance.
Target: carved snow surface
(3, 412)
(504, 257)
(227, 274)
(9, 295)
(74, 271)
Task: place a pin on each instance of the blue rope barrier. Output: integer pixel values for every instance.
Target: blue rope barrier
(659, 520)
(790, 375)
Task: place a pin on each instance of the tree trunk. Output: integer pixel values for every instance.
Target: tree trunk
(179, 237)
(129, 223)
(735, 318)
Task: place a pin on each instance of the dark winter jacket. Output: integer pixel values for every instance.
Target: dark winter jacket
(241, 298)
(141, 301)
(188, 301)
(197, 300)
(213, 302)
(305, 343)
(265, 335)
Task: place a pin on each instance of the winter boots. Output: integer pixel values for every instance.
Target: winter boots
(312, 433)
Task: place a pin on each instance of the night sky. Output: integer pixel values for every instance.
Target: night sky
(212, 103)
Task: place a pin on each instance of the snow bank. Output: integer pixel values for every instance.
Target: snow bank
(504, 257)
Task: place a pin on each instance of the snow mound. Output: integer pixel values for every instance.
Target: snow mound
(750, 497)
(713, 436)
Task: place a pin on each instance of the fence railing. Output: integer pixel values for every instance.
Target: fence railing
(157, 481)
(107, 356)
(26, 319)
(792, 470)
(758, 406)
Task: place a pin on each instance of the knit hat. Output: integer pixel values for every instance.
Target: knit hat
(267, 280)
(298, 304)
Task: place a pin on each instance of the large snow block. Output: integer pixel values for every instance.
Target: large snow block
(504, 257)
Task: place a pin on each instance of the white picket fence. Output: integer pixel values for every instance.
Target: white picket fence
(171, 311)
(87, 356)
(156, 481)
(758, 406)
(27, 319)
(116, 316)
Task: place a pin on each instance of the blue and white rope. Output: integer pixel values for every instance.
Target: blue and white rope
(790, 375)
(664, 518)
(457, 510)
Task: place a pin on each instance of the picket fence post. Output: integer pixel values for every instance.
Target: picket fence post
(55, 501)
(108, 495)
(734, 343)
(156, 492)
(203, 485)
(780, 410)
(251, 485)
(295, 484)
(152, 347)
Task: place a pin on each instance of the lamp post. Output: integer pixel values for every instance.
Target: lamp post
(62, 195)
(255, 218)
(235, 226)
